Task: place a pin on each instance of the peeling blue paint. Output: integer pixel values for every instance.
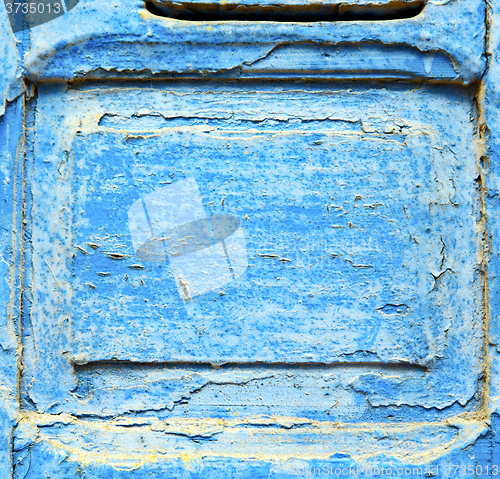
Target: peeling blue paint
(352, 320)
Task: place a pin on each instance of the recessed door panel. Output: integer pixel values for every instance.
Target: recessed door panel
(280, 225)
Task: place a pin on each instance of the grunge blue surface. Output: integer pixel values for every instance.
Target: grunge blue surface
(344, 319)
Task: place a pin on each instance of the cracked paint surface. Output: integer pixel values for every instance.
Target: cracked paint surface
(241, 47)
(313, 203)
(364, 330)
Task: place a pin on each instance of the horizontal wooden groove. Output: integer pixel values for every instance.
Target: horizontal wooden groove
(102, 365)
(285, 10)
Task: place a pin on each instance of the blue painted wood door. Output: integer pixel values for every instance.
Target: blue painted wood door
(250, 248)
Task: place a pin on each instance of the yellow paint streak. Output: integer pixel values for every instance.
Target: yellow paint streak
(269, 439)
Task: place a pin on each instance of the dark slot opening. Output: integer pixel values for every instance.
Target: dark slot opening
(114, 365)
(276, 12)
